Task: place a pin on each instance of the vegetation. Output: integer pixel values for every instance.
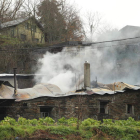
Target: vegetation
(67, 129)
(61, 22)
(5, 40)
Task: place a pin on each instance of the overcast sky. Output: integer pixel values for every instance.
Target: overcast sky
(117, 12)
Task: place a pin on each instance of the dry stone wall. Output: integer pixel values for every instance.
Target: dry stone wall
(82, 106)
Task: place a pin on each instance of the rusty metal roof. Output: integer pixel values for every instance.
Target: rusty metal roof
(50, 90)
(114, 88)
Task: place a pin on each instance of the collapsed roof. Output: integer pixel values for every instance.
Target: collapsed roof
(50, 90)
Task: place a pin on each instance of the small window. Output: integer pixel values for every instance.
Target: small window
(27, 26)
(104, 107)
(45, 111)
(23, 37)
(12, 32)
(130, 109)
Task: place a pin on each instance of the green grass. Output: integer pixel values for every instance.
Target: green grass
(9, 128)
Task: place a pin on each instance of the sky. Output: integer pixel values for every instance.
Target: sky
(117, 13)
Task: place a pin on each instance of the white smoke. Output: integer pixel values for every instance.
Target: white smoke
(109, 62)
(63, 68)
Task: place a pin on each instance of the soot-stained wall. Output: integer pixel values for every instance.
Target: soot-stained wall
(116, 106)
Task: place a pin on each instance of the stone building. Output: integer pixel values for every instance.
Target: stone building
(99, 101)
(47, 100)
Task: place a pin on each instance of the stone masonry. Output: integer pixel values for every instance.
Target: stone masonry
(116, 106)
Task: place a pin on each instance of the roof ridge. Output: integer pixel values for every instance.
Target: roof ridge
(16, 20)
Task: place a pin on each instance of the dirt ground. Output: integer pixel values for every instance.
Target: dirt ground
(45, 135)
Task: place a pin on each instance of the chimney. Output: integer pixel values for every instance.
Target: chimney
(86, 75)
(15, 84)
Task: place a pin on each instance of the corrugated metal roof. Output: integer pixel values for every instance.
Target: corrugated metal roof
(6, 92)
(114, 88)
(50, 90)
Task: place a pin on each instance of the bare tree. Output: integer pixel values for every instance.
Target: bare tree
(92, 23)
(107, 32)
(74, 26)
(9, 9)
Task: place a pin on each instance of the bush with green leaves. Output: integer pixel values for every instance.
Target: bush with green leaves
(23, 121)
(41, 121)
(9, 132)
(129, 122)
(72, 121)
(126, 133)
(62, 120)
(63, 130)
(119, 129)
(89, 121)
(107, 122)
(49, 120)
(33, 122)
(8, 121)
(46, 121)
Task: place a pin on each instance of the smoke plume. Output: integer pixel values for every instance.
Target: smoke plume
(110, 62)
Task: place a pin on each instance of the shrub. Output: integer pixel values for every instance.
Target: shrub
(72, 121)
(62, 130)
(89, 121)
(49, 120)
(129, 122)
(33, 122)
(23, 121)
(41, 121)
(62, 120)
(107, 121)
(131, 133)
(123, 133)
(8, 121)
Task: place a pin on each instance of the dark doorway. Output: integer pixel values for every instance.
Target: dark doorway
(5, 107)
(2, 112)
(45, 111)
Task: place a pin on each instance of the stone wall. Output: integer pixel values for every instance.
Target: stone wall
(82, 106)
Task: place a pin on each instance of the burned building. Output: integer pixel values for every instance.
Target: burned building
(47, 100)
(115, 101)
